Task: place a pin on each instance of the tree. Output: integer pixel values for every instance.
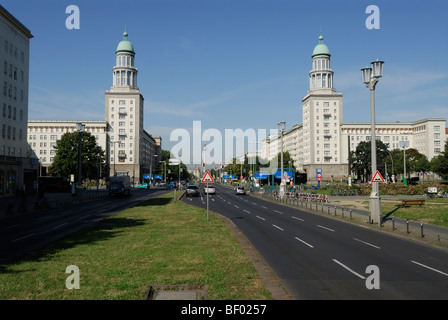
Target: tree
(65, 162)
(286, 159)
(422, 164)
(233, 168)
(415, 161)
(172, 172)
(361, 158)
(439, 164)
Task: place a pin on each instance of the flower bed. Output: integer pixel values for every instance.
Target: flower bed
(391, 189)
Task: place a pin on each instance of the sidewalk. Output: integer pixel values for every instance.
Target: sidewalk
(19, 204)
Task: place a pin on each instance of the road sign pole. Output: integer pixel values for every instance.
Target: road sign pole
(207, 203)
(206, 179)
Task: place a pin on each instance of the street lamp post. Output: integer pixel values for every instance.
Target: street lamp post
(114, 142)
(392, 159)
(370, 77)
(404, 145)
(150, 175)
(164, 168)
(281, 127)
(80, 128)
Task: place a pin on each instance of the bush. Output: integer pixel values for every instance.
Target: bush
(390, 189)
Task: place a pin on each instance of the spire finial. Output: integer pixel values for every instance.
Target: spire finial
(125, 34)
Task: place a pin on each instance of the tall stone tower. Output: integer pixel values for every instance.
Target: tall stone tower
(124, 113)
(322, 117)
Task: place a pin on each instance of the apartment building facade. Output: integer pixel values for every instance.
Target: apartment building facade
(17, 168)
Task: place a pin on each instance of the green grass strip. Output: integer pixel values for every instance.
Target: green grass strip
(157, 242)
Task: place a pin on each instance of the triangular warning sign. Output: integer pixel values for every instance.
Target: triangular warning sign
(207, 178)
(377, 177)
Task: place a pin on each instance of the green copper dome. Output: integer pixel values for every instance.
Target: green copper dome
(125, 45)
(321, 48)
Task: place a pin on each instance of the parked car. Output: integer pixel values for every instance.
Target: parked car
(192, 191)
(240, 190)
(210, 189)
(144, 186)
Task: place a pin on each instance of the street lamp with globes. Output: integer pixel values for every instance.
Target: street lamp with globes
(80, 127)
(281, 127)
(370, 77)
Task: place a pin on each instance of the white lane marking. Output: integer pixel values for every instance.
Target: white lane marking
(87, 215)
(264, 207)
(236, 206)
(325, 228)
(304, 242)
(10, 227)
(246, 211)
(347, 268)
(278, 227)
(297, 218)
(44, 218)
(260, 218)
(278, 211)
(30, 235)
(421, 264)
(369, 244)
(57, 227)
(254, 203)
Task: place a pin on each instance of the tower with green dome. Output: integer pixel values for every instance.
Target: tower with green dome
(132, 149)
(321, 76)
(322, 117)
(125, 73)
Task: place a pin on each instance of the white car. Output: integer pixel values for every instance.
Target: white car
(210, 189)
(240, 190)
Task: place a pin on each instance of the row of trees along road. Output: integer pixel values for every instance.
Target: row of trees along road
(415, 161)
(255, 164)
(93, 159)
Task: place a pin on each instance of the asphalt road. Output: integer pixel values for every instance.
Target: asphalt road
(319, 257)
(21, 235)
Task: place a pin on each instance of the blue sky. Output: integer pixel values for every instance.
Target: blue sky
(235, 63)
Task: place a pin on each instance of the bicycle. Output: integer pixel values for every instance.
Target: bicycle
(442, 194)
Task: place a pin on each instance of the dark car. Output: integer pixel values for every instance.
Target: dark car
(192, 191)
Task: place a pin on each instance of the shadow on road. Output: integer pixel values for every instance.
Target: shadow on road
(101, 231)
